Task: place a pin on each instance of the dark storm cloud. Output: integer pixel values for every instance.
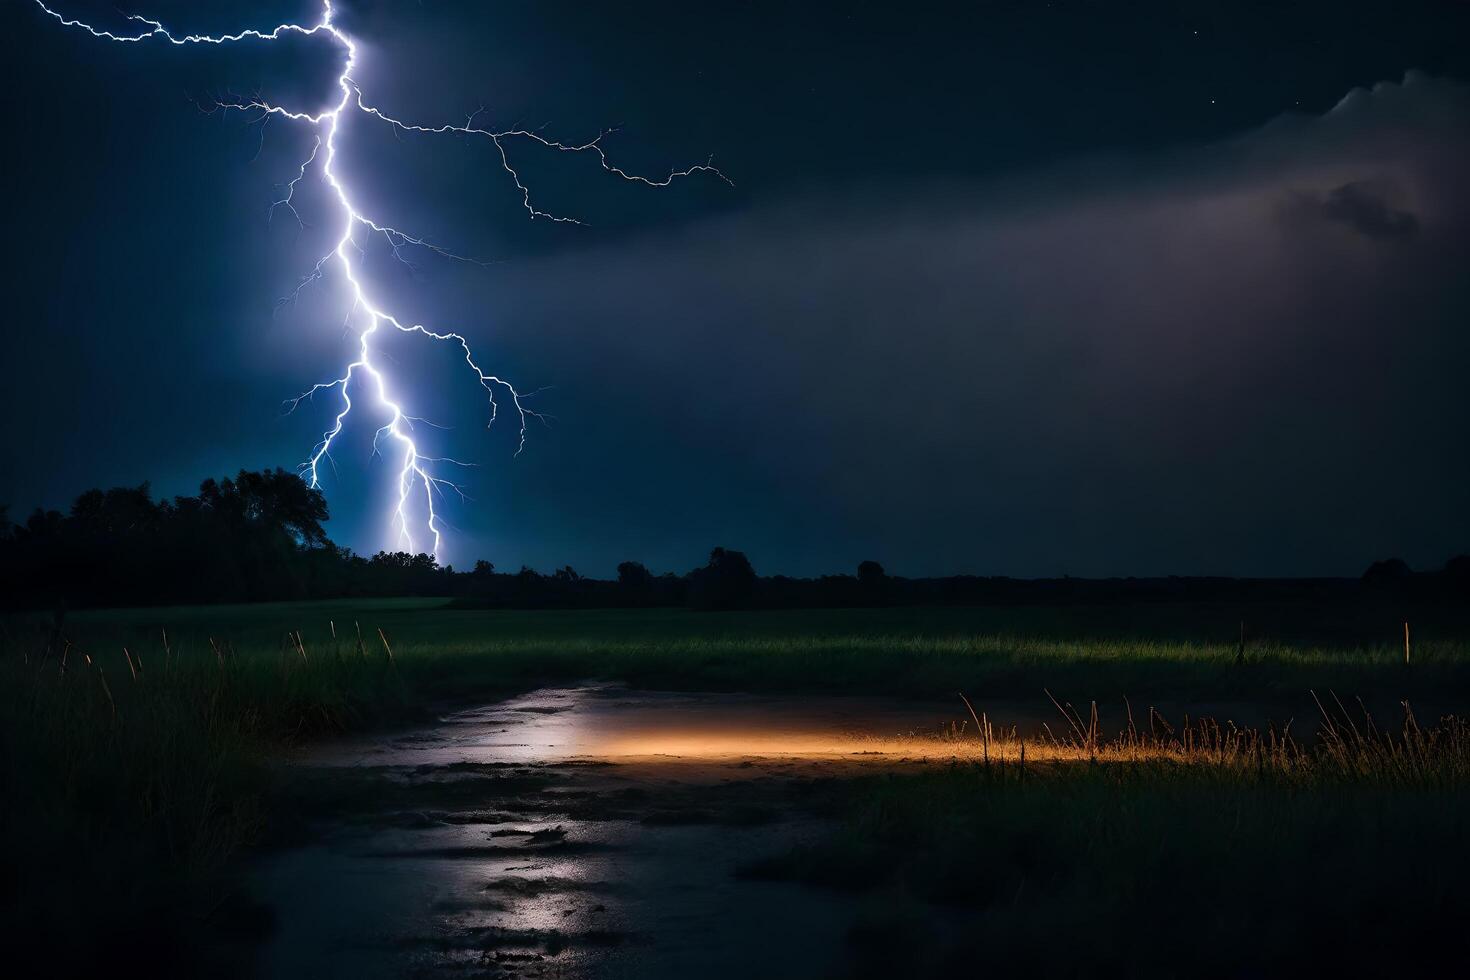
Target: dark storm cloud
(1133, 365)
(975, 311)
(1364, 207)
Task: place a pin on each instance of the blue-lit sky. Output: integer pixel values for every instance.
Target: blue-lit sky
(1006, 288)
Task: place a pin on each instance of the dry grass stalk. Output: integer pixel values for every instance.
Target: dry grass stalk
(105, 689)
(981, 726)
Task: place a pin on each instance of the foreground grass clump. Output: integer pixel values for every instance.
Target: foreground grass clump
(138, 746)
(132, 779)
(1207, 852)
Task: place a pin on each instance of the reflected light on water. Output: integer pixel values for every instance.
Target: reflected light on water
(717, 744)
(647, 728)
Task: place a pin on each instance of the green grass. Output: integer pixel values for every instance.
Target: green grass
(128, 798)
(132, 795)
(1229, 856)
(1160, 650)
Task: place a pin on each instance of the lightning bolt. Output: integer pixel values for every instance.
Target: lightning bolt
(418, 473)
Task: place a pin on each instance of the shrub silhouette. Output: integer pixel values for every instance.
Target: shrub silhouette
(1388, 572)
(872, 582)
(727, 582)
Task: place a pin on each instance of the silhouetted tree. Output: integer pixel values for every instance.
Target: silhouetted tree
(257, 536)
(872, 582)
(274, 499)
(632, 575)
(637, 586)
(121, 510)
(1389, 571)
(727, 582)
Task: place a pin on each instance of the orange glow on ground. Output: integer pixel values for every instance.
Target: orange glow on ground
(718, 744)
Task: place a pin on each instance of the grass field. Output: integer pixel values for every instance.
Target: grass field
(140, 745)
(1345, 860)
(1095, 652)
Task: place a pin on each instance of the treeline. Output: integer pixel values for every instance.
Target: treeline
(729, 581)
(260, 537)
(255, 538)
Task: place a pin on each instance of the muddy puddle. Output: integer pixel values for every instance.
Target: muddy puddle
(611, 724)
(586, 832)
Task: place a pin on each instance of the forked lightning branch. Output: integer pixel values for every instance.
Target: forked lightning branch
(420, 485)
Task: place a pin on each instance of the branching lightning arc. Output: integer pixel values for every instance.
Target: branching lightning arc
(417, 477)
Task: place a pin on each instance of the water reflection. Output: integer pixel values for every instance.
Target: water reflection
(572, 832)
(606, 723)
(594, 831)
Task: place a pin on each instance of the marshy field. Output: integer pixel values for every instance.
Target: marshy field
(711, 491)
(390, 787)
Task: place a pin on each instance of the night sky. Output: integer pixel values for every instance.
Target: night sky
(1032, 288)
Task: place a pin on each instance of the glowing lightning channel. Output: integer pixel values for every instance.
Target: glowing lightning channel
(414, 474)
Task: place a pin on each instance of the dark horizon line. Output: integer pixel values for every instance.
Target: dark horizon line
(1454, 558)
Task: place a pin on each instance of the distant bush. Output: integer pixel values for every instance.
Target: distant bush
(1390, 571)
(727, 582)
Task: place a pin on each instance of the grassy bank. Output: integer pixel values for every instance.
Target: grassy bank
(1140, 651)
(131, 783)
(139, 745)
(1206, 853)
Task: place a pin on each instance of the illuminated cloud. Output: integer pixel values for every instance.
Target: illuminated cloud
(1152, 363)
